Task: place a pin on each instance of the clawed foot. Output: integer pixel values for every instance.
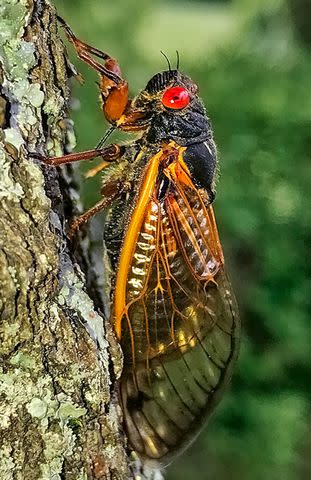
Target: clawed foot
(42, 158)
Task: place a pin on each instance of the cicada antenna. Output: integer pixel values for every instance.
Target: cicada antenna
(177, 58)
(166, 58)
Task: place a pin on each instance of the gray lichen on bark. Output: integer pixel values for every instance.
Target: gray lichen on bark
(58, 416)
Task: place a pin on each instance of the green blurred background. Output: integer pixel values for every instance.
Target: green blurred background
(252, 61)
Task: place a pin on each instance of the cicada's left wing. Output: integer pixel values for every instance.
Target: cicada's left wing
(178, 324)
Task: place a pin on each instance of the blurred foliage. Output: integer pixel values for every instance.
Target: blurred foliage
(251, 61)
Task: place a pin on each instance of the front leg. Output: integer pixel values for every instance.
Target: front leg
(108, 154)
(117, 107)
(114, 89)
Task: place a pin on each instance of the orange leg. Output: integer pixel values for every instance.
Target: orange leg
(112, 71)
(114, 89)
(115, 188)
(108, 154)
(95, 170)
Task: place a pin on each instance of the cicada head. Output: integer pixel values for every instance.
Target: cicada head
(176, 112)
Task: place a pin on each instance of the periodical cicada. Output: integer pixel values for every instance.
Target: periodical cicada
(172, 305)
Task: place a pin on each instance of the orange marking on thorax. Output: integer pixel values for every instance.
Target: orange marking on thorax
(179, 170)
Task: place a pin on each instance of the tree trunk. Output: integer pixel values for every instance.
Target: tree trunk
(59, 414)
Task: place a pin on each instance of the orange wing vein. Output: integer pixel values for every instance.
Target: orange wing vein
(175, 313)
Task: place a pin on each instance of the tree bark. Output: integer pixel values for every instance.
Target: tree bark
(59, 413)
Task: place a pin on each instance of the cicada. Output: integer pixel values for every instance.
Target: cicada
(172, 305)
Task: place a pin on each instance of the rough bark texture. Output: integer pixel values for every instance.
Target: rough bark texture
(59, 417)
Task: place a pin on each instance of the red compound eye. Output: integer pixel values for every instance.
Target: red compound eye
(176, 98)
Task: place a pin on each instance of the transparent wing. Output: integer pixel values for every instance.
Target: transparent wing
(180, 324)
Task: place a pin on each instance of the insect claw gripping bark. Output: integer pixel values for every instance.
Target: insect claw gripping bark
(173, 307)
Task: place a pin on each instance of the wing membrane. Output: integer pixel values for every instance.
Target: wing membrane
(179, 321)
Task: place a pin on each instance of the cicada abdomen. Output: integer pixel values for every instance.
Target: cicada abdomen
(175, 314)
